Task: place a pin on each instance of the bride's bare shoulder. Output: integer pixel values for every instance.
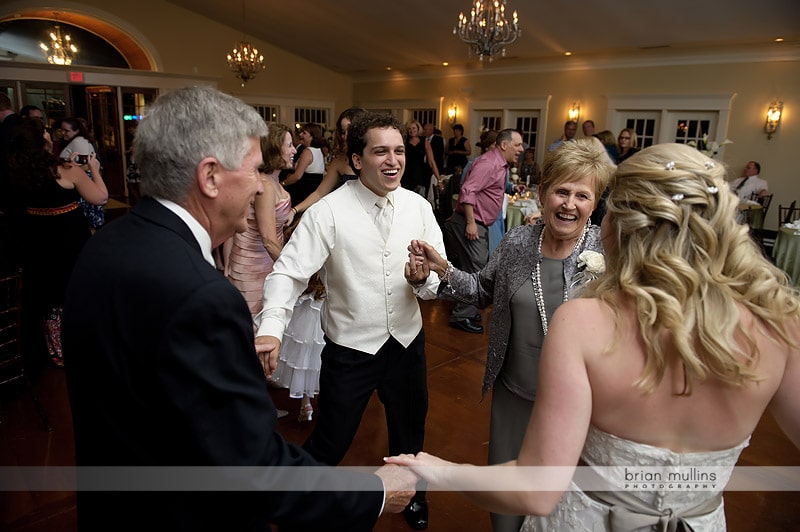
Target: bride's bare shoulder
(590, 315)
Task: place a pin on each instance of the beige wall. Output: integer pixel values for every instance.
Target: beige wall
(754, 84)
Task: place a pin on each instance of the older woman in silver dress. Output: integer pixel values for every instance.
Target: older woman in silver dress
(534, 270)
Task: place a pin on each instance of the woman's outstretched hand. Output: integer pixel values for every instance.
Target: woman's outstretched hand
(424, 465)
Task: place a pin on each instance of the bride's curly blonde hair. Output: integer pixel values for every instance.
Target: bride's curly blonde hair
(687, 264)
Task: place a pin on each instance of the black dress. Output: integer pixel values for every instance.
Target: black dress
(456, 159)
(630, 152)
(418, 172)
(55, 231)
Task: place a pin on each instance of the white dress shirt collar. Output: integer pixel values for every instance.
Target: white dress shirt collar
(199, 232)
(368, 198)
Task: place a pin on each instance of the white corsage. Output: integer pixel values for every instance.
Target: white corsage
(592, 262)
(591, 265)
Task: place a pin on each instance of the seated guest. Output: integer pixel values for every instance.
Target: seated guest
(570, 128)
(527, 278)
(750, 184)
(162, 368)
(652, 369)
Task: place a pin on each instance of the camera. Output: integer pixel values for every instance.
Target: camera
(82, 159)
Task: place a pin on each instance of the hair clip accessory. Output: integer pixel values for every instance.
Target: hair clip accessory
(676, 197)
(712, 189)
(710, 165)
(670, 166)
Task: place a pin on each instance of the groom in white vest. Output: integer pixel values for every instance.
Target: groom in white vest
(358, 236)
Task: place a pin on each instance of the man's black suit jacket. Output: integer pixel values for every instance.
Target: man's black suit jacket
(162, 371)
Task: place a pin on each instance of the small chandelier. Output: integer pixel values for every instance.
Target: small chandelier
(61, 50)
(245, 60)
(487, 30)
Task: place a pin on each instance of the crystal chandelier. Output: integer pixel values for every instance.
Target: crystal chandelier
(486, 29)
(61, 50)
(245, 60)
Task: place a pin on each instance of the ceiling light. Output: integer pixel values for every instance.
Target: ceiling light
(487, 30)
(245, 60)
(61, 50)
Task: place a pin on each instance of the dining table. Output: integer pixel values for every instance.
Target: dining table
(751, 213)
(786, 252)
(517, 210)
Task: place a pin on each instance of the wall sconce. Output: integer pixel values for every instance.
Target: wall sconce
(773, 118)
(575, 111)
(452, 113)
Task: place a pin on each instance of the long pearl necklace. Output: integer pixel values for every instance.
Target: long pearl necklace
(536, 277)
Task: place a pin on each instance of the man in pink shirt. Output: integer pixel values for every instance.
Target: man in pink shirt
(479, 204)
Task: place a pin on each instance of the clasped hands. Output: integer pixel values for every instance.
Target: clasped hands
(422, 259)
(399, 481)
(416, 269)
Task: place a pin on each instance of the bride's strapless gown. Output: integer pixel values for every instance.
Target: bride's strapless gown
(577, 512)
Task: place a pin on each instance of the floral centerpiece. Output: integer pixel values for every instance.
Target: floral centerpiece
(709, 149)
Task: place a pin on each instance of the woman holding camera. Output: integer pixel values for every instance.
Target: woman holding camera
(79, 140)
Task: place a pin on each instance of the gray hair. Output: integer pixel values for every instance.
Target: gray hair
(183, 127)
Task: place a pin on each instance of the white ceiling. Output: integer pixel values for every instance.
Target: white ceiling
(359, 37)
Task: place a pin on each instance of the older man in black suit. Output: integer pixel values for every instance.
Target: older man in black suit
(161, 360)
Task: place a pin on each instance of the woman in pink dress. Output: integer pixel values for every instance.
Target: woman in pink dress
(255, 251)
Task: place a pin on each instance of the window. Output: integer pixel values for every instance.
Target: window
(423, 116)
(491, 120)
(525, 115)
(314, 115)
(682, 118)
(528, 126)
(644, 128)
(52, 99)
(687, 130)
(270, 113)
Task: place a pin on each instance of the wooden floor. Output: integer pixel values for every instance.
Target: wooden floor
(457, 429)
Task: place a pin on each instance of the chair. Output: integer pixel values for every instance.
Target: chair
(12, 364)
(755, 217)
(787, 214)
(765, 202)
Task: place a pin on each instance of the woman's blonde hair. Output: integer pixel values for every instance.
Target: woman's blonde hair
(688, 266)
(412, 122)
(573, 161)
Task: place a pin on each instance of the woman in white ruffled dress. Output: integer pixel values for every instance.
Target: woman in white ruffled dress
(661, 372)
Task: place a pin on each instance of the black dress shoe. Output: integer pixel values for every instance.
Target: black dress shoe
(467, 325)
(476, 317)
(416, 514)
